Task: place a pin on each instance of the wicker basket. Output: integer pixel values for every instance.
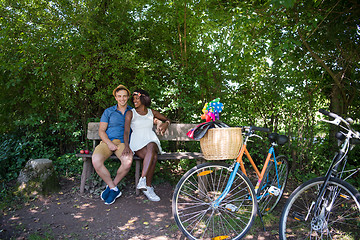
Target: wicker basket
(221, 143)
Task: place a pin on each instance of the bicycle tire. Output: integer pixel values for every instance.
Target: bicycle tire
(268, 201)
(194, 194)
(341, 219)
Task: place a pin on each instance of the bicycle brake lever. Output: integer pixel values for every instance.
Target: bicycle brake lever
(336, 121)
(257, 136)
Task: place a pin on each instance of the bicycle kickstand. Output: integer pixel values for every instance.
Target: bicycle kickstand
(262, 222)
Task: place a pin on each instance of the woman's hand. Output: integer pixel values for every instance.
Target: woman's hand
(126, 151)
(161, 127)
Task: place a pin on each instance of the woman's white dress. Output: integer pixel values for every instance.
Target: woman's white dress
(142, 131)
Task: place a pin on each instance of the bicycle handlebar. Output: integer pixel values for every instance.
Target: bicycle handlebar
(259, 129)
(337, 120)
(330, 114)
(253, 128)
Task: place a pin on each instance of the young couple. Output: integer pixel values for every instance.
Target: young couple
(114, 132)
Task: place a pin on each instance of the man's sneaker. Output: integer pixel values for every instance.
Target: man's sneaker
(151, 195)
(113, 195)
(104, 194)
(142, 184)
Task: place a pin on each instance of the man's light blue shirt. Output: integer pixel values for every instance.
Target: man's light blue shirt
(116, 122)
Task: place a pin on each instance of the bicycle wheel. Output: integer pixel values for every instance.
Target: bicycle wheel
(194, 211)
(337, 218)
(272, 185)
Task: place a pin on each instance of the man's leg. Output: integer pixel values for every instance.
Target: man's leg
(101, 153)
(125, 166)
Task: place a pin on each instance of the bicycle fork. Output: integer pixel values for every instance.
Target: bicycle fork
(324, 201)
(230, 206)
(228, 185)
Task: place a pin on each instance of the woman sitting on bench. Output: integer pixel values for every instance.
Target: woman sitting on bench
(143, 142)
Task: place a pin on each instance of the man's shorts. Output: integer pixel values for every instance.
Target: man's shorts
(104, 150)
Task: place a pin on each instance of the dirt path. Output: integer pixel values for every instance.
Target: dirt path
(69, 215)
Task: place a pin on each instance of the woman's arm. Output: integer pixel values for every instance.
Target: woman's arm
(128, 118)
(160, 116)
(161, 128)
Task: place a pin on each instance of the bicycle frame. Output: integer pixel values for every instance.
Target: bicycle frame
(239, 163)
(333, 168)
(339, 157)
(326, 207)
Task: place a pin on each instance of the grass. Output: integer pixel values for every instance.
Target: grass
(269, 220)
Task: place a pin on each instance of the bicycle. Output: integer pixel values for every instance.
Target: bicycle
(218, 201)
(326, 207)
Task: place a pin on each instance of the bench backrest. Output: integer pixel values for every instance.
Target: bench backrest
(175, 132)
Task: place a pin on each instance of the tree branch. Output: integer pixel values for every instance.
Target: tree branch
(334, 76)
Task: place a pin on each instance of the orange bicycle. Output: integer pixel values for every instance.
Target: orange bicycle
(217, 201)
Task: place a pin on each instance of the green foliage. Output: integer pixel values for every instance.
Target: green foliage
(16, 150)
(272, 63)
(172, 170)
(68, 165)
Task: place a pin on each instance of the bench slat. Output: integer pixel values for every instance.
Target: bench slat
(175, 132)
(164, 156)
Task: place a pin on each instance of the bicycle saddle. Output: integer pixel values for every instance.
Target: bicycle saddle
(279, 139)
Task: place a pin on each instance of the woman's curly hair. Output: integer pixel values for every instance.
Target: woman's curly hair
(144, 97)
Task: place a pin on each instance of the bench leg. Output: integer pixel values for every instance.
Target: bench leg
(200, 161)
(86, 173)
(137, 175)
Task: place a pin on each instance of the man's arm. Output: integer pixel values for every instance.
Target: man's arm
(104, 137)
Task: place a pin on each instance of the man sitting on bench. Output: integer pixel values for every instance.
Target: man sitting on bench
(111, 132)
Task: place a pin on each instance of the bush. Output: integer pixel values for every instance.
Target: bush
(68, 165)
(16, 150)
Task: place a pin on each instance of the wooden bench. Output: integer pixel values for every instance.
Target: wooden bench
(175, 132)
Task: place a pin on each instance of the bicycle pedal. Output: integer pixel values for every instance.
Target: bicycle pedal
(231, 207)
(298, 216)
(275, 191)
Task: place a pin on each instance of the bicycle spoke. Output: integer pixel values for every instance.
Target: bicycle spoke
(195, 213)
(338, 216)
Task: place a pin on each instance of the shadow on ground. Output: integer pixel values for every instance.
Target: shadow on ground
(69, 215)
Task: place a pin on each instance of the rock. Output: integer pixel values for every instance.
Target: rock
(38, 177)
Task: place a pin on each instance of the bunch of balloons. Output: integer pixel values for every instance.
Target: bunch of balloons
(211, 111)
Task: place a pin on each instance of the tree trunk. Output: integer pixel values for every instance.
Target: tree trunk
(336, 106)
